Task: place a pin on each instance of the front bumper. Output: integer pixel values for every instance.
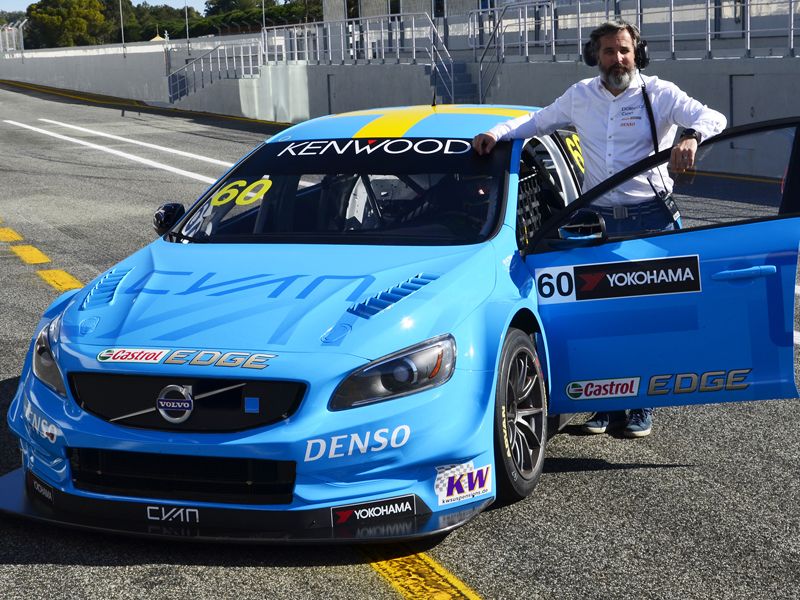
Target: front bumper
(48, 505)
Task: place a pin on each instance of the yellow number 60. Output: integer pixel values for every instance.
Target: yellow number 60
(234, 191)
(574, 147)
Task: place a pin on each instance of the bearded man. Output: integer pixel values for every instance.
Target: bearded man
(620, 117)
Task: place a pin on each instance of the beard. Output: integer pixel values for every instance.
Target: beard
(617, 77)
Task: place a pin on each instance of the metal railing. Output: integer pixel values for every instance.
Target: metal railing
(12, 41)
(402, 39)
(673, 29)
(406, 38)
(224, 61)
(411, 38)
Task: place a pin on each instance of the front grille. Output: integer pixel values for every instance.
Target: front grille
(177, 477)
(218, 405)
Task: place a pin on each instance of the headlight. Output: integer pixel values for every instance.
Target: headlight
(409, 371)
(44, 362)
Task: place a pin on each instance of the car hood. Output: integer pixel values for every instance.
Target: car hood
(362, 300)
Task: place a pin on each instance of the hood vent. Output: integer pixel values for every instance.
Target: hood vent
(387, 299)
(103, 293)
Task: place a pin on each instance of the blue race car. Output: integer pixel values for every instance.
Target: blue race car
(365, 331)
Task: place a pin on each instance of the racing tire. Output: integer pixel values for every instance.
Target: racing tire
(520, 418)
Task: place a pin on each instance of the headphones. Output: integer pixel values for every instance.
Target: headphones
(640, 54)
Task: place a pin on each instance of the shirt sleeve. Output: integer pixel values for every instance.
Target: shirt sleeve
(689, 113)
(540, 122)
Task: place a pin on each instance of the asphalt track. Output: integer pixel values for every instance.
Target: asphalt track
(706, 507)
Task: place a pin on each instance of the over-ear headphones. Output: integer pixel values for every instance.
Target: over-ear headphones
(640, 54)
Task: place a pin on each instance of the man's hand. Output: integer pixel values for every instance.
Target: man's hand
(682, 157)
(483, 143)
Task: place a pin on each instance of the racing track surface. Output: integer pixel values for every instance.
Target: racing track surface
(707, 506)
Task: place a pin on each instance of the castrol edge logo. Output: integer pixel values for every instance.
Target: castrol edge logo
(369, 146)
(603, 388)
(132, 355)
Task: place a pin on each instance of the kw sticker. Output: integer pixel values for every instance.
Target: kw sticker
(455, 483)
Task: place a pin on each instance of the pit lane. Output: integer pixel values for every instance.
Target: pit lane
(706, 506)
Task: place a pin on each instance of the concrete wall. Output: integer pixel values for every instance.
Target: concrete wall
(744, 90)
(293, 93)
(139, 74)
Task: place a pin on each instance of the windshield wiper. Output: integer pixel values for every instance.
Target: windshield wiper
(175, 236)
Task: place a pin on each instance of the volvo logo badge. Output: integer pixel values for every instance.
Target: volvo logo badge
(175, 403)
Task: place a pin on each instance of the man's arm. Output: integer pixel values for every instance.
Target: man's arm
(540, 122)
(699, 123)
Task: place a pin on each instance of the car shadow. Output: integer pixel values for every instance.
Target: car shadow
(126, 107)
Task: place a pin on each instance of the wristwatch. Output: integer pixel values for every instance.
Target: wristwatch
(691, 133)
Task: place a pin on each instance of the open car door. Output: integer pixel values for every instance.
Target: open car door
(702, 314)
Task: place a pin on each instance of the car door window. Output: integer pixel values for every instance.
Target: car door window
(731, 182)
(543, 189)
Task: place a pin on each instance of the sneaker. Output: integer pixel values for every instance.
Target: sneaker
(640, 422)
(598, 423)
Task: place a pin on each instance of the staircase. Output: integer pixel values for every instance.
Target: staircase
(465, 91)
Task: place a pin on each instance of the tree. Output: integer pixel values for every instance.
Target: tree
(57, 23)
(11, 17)
(218, 7)
(113, 33)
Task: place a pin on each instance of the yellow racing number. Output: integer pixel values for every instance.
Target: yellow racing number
(241, 192)
(573, 143)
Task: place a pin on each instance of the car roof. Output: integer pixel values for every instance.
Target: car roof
(445, 120)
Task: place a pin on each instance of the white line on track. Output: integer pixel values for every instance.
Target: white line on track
(144, 161)
(213, 161)
(797, 290)
(797, 338)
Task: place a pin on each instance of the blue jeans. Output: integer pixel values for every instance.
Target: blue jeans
(651, 215)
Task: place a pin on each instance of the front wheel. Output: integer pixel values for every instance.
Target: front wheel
(520, 419)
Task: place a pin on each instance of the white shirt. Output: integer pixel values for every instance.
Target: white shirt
(615, 131)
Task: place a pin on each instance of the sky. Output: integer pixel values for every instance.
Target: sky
(200, 5)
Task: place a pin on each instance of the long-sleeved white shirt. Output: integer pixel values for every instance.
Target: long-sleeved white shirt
(615, 131)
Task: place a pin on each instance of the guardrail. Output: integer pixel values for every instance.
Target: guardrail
(224, 61)
(673, 29)
(409, 38)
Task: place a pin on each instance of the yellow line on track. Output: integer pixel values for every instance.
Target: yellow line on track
(60, 280)
(418, 576)
(9, 235)
(30, 254)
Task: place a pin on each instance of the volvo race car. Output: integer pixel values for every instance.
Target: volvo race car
(366, 331)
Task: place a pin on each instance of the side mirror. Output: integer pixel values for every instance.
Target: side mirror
(585, 227)
(166, 216)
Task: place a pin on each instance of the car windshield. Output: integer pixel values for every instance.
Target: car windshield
(430, 191)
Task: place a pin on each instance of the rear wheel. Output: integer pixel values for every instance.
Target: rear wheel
(520, 423)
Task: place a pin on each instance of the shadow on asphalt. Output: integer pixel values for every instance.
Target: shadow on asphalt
(9, 448)
(135, 107)
(576, 465)
(31, 543)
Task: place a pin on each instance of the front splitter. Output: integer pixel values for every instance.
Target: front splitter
(211, 524)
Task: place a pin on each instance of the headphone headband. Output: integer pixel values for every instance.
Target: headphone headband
(640, 53)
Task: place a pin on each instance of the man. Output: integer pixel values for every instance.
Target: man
(611, 116)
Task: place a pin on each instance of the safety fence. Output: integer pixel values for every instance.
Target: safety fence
(403, 39)
(224, 61)
(552, 30)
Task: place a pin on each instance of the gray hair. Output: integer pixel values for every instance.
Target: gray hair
(612, 28)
